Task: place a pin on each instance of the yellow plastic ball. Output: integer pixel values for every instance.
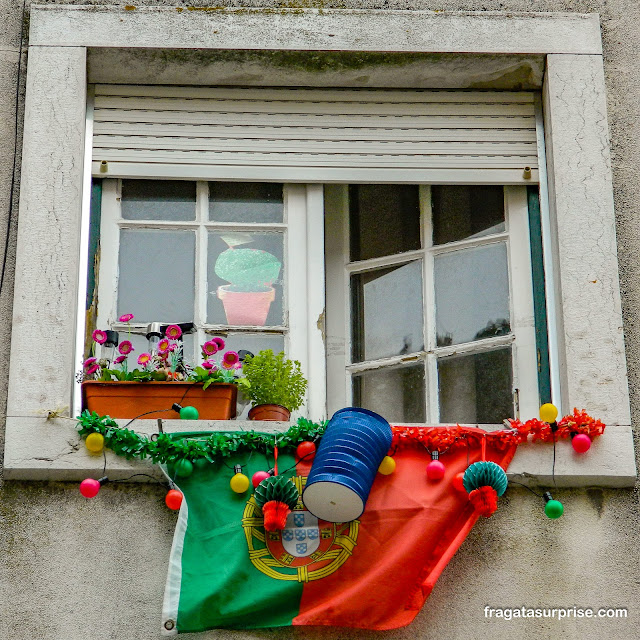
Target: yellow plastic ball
(95, 442)
(548, 412)
(387, 466)
(239, 483)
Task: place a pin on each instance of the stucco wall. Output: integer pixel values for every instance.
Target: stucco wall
(91, 570)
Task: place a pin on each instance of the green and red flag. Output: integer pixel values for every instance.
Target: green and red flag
(226, 571)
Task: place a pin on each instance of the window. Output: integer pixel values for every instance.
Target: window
(429, 302)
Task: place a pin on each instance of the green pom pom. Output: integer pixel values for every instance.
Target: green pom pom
(276, 488)
(482, 474)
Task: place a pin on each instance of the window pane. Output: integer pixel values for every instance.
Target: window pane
(245, 202)
(245, 278)
(384, 219)
(158, 200)
(472, 294)
(461, 212)
(397, 394)
(476, 388)
(387, 312)
(156, 275)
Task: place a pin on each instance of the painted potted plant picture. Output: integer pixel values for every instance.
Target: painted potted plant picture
(250, 274)
(111, 386)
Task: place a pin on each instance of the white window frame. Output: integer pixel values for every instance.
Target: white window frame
(590, 352)
(521, 336)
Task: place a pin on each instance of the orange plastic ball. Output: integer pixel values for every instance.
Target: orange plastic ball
(173, 499)
(306, 450)
(457, 481)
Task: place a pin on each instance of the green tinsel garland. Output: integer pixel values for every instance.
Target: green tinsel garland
(166, 450)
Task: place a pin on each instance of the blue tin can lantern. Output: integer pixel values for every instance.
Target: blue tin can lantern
(345, 465)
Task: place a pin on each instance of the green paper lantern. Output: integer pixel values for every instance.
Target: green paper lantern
(277, 488)
(183, 468)
(553, 509)
(483, 474)
(189, 413)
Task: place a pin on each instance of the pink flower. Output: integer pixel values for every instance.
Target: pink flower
(89, 361)
(127, 317)
(120, 359)
(230, 359)
(237, 365)
(91, 370)
(219, 342)
(144, 359)
(125, 347)
(99, 336)
(163, 345)
(210, 348)
(207, 365)
(172, 347)
(173, 331)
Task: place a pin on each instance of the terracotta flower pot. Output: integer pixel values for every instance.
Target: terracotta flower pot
(270, 412)
(130, 399)
(246, 307)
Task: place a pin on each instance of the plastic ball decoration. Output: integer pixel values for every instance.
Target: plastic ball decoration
(258, 477)
(94, 442)
(553, 509)
(189, 413)
(239, 483)
(435, 471)
(457, 482)
(581, 443)
(200, 463)
(173, 499)
(548, 413)
(89, 488)
(183, 468)
(387, 466)
(306, 450)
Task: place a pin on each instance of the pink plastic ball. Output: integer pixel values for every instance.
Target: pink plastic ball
(435, 470)
(581, 443)
(89, 488)
(258, 477)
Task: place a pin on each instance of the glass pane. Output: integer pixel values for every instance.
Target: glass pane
(158, 200)
(387, 312)
(384, 219)
(245, 202)
(245, 278)
(472, 294)
(476, 388)
(461, 212)
(253, 342)
(397, 394)
(156, 275)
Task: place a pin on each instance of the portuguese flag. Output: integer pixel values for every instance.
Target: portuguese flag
(226, 571)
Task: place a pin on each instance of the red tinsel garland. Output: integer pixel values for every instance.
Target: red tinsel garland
(443, 438)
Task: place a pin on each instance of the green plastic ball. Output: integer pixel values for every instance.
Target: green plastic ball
(188, 413)
(201, 463)
(184, 468)
(553, 509)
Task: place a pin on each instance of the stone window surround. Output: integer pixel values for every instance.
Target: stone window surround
(591, 348)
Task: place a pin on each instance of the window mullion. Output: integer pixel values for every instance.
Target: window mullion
(200, 298)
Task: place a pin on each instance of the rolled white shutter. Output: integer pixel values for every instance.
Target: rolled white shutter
(314, 135)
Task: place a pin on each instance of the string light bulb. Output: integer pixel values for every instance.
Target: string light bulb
(457, 482)
(258, 477)
(239, 483)
(183, 468)
(94, 442)
(435, 469)
(306, 450)
(186, 413)
(548, 413)
(580, 442)
(387, 466)
(90, 487)
(173, 499)
(553, 509)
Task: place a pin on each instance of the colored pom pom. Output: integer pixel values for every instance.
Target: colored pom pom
(173, 499)
(484, 500)
(275, 515)
(481, 474)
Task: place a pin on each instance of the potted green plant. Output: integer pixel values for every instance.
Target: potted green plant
(111, 387)
(251, 274)
(275, 385)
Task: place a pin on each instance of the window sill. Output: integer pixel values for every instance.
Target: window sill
(40, 449)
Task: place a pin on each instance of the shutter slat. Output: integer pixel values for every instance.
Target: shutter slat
(322, 130)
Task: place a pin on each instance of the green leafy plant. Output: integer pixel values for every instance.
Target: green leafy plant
(274, 379)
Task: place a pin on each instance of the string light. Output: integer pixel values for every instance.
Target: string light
(239, 483)
(580, 442)
(90, 488)
(435, 469)
(387, 466)
(173, 499)
(94, 442)
(553, 508)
